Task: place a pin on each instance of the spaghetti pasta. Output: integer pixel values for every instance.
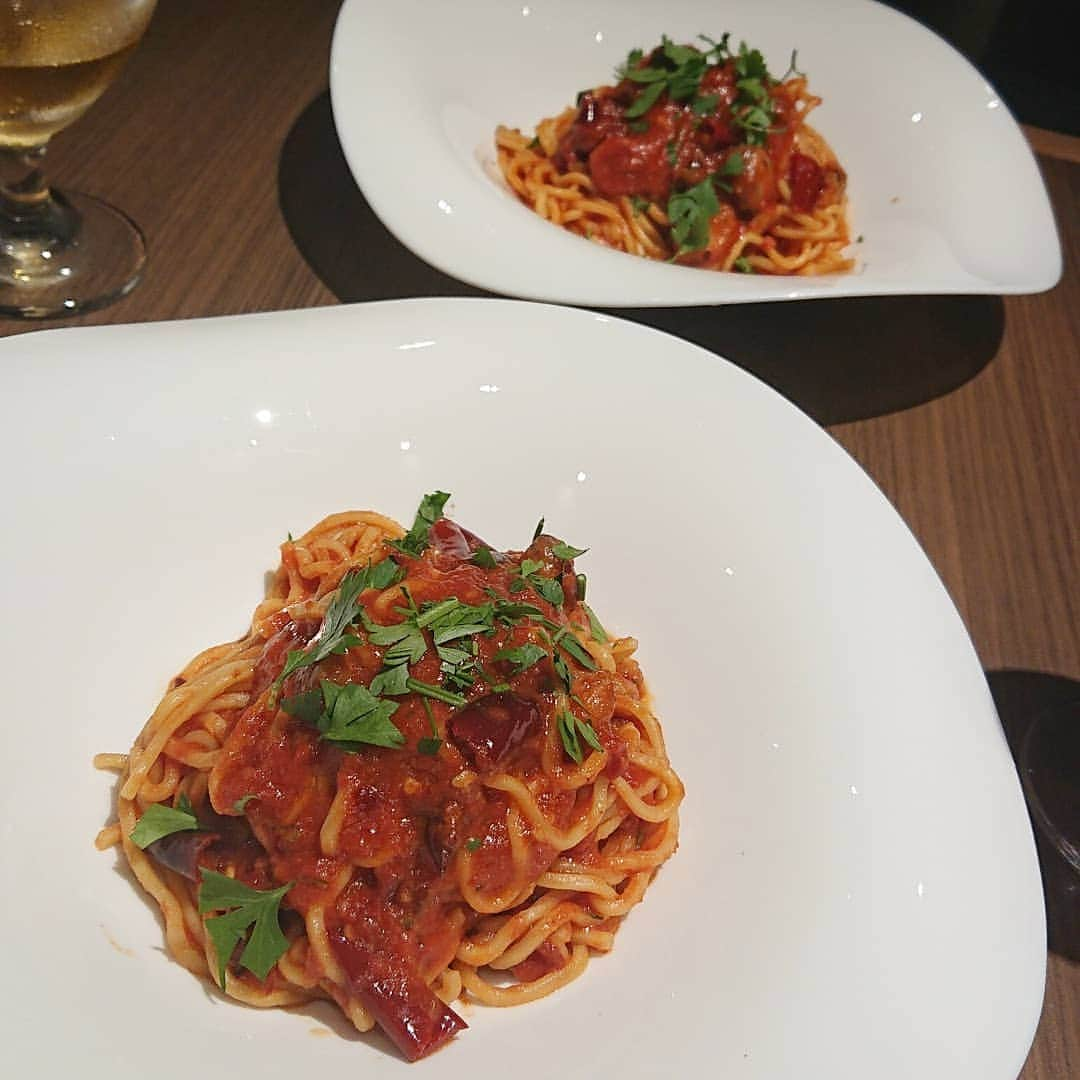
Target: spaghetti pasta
(697, 156)
(425, 773)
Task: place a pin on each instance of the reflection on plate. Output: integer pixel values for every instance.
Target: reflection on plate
(856, 892)
(943, 188)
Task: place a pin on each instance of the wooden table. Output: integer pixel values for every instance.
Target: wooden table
(218, 142)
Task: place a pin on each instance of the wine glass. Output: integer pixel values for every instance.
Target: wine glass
(60, 252)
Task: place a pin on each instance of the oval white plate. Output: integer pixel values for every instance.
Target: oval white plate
(856, 893)
(944, 188)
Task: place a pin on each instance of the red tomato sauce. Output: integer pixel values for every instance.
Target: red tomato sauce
(406, 819)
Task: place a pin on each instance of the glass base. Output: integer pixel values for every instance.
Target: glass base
(95, 258)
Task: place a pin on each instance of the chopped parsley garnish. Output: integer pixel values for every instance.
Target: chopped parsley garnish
(159, 820)
(691, 213)
(562, 669)
(733, 165)
(570, 644)
(521, 657)
(705, 104)
(473, 844)
(792, 68)
(246, 907)
(742, 264)
(639, 203)
(678, 70)
(347, 715)
(753, 109)
(406, 640)
(350, 715)
(647, 98)
(430, 510)
(595, 629)
(550, 589)
(333, 637)
(431, 744)
(484, 558)
(453, 627)
(565, 551)
(241, 803)
(570, 727)
(436, 692)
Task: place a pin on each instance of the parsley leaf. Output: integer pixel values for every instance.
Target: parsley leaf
(646, 99)
(588, 733)
(463, 620)
(690, 213)
(570, 727)
(595, 628)
(347, 715)
(473, 844)
(792, 68)
(484, 558)
(742, 264)
(679, 55)
(430, 746)
(436, 692)
(565, 551)
(632, 60)
(750, 64)
(250, 908)
(391, 681)
(639, 204)
(550, 589)
(562, 669)
(430, 510)
(753, 109)
(733, 165)
(458, 665)
(567, 724)
(570, 644)
(406, 640)
(159, 820)
(521, 657)
(512, 611)
(341, 612)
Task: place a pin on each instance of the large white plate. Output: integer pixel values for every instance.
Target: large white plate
(943, 187)
(856, 894)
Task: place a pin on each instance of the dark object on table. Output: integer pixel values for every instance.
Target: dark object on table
(1041, 717)
(1020, 47)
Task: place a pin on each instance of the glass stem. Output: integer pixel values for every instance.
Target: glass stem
(28, 209)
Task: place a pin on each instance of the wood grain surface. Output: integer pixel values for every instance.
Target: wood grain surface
(963, 410)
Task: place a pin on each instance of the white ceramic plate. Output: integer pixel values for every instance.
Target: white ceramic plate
(856, 893)
(943, 187)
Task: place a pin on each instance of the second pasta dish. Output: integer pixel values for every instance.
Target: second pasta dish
(698, 156)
